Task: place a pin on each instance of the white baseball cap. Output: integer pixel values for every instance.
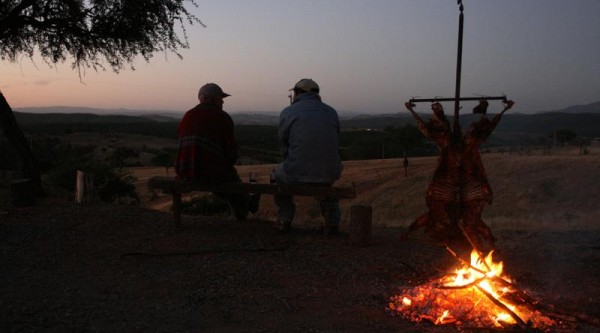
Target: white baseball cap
(307, 85)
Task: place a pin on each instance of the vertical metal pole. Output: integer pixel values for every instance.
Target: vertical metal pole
(457, 131)
(405, 163)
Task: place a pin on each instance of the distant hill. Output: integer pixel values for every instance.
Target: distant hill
(515, 128)
(159, 115)
(584, 124)
(378, 121)
(75, 118)
(531, 125)
(587, 108)
(256, 118)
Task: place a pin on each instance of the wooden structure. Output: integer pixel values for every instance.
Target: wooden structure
(176, 187)
(84, 189)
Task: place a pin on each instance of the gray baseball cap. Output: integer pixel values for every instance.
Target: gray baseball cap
(307, 85)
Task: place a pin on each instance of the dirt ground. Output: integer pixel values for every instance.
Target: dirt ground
(102, 268)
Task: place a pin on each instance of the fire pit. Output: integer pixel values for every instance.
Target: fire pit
(475, 295)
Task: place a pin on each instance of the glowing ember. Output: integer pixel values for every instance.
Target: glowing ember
(475, 295)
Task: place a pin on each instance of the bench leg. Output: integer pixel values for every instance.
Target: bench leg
(177, 209)
(330, 209)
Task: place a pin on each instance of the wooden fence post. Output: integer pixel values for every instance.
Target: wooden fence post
(84, 191)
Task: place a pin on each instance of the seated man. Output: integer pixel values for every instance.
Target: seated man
(308, 133)
(208, 149)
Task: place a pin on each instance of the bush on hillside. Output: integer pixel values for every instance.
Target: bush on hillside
(111, 185)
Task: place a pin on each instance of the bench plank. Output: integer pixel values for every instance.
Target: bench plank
(169, 184)
(176, 187)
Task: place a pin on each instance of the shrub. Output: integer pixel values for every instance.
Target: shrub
(118, 187)
(111, 185)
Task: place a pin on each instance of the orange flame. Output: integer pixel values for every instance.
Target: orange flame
(470, 295)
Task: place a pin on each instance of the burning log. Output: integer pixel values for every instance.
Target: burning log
(476, 295)
(520, 297)
(503, 307)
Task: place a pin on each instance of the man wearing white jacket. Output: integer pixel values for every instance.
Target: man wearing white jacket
(308, 134)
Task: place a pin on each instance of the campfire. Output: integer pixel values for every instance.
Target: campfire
(476, 295)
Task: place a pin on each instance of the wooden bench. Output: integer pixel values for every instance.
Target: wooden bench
(176, 187)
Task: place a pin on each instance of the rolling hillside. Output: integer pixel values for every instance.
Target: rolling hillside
(558, 191)
(514, 129)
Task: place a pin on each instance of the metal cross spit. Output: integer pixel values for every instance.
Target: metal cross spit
(457, 97)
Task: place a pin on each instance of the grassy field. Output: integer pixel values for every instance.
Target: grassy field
(533, 191)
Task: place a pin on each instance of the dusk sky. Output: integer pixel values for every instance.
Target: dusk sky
(367, 56)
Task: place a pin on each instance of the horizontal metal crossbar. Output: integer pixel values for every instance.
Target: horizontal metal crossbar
(451, 99)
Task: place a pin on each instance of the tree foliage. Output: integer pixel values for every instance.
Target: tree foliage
(563, 135)
(120, 155)
(392, 142)
(164, 158)
(92, 33)
(110, 184)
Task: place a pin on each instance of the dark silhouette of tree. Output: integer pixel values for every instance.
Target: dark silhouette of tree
(96, 34)
(20, 144)
(402, 137)
(563, 135)
(398, 141)
(120, 155)
(164, 159)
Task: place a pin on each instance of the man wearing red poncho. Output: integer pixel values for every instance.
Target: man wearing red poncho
(208, 150)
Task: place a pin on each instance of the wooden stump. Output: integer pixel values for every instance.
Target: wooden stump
(360, 225)
(23, 192)
(84, 191)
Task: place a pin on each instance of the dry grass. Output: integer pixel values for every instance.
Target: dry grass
(552, 192)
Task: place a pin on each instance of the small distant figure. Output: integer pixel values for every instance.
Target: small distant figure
(208, 149)
(308, 134)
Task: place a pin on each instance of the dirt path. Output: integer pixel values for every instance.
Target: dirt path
(103, 268)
